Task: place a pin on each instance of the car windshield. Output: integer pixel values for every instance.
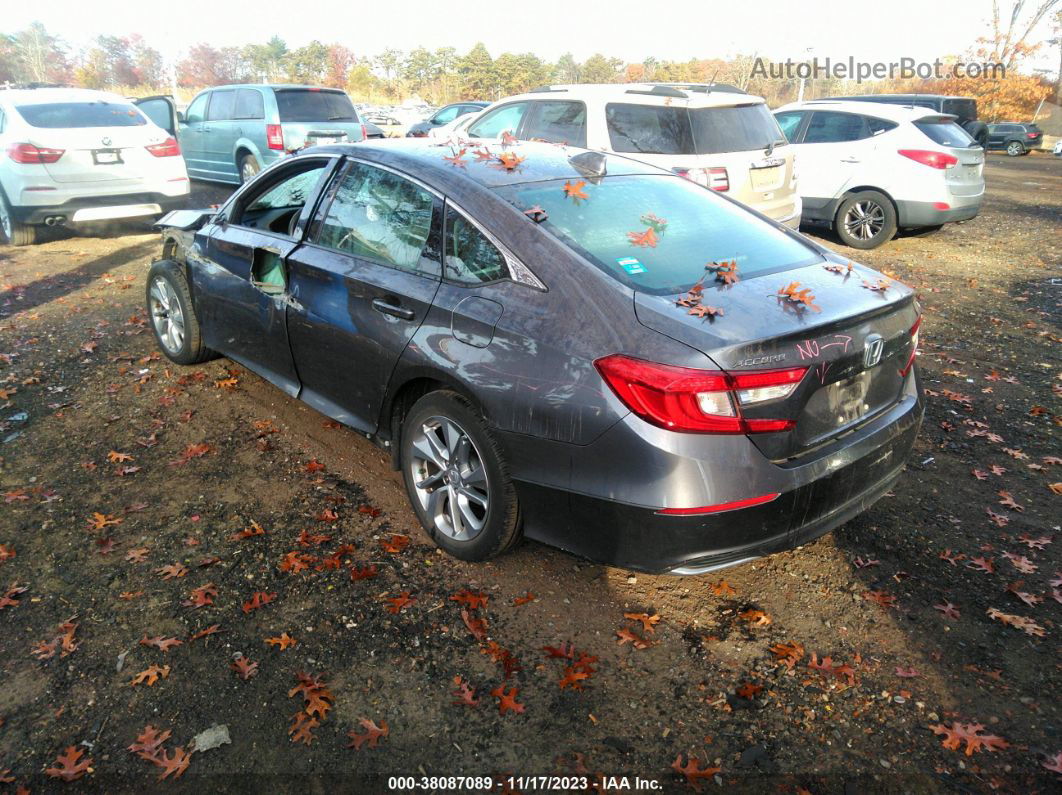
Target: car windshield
(656, 233)
(65, 115)
(665, 130)
(946, 133)
(306, 104)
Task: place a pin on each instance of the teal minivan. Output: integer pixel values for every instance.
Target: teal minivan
(230, 133)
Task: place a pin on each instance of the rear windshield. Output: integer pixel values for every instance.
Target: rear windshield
(946, 133)
(310, 105)
(656, 233)
(56, 115)
(662, 130)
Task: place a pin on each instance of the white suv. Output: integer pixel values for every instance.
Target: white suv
(716, 135)
(73, 155)
(867, 168)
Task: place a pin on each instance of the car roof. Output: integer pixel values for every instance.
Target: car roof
(40, 96)
(690, 95)
(275, 86)
(425, 158)
(933, 97)
(882, 110)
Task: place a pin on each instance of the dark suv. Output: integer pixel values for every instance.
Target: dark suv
(444, 115)
(1015, 138)
(963, 108)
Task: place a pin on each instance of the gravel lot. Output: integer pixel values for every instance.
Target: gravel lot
(821, 669)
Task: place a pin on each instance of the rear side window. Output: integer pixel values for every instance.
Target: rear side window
(378, 216)
(828, 127)
(470, 257)
(648, 129)
(689, 225)
(742, 128)
(249, 104)
(447, 115)
(557, 122)
(297, 105)
(59, 115)
(876, 126)
(504, 119)
(946, 133)
(222, 103)
(789, 122)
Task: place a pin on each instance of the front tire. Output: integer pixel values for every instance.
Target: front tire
(173, 317)
(15, 233)
(1015, 149)
(456, 478)
(865, 220)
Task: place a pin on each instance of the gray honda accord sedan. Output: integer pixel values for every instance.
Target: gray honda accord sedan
(559, 344)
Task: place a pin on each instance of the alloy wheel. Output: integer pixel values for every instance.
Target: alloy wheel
(449, 478)
(864, 220)
(1014, 148)
(5, 220)
(166, 315)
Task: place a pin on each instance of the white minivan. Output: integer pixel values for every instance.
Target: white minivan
(71, 155)
(868, 169)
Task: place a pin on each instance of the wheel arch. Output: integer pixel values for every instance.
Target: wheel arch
(244, 146)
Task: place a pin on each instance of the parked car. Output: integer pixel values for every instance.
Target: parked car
(456, 128)
(1057, 151)
(1015, 138)
(230, 133)
(867, 169)
(538, 363)
(372, 131)
(444, 115)
(715, 135)
(963, 108)
(72, 156)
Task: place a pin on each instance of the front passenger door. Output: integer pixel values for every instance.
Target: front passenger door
(242, 275)
(361, 287)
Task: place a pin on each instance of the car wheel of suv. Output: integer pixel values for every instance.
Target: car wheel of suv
(865, 220)
(173, 317)
(1015, 149)
(456, 478)
(249, 167)
(15, 233)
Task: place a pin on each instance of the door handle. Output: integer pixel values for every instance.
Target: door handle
(387, 308)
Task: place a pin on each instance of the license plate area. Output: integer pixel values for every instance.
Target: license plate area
(767, 178)
(107, 157)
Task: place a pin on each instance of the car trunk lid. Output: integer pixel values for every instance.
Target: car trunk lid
(99, 154)
(855, 348)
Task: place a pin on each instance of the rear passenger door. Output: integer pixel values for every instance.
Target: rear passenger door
(556, 122)
(361, 287)
(829, 154)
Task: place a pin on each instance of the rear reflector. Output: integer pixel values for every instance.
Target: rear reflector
(723, 506)
(930, 158)
(275, 137)
(168, 148)
(28, 154)
(941, 206)
(697, 401)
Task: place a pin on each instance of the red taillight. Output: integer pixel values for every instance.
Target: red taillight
(930, 158)
(364, 133)
(168, 148)
(29, 154)
(718, 179)
(697, 401)
(1031, 135)
(720, 507)
(914, 348)
(275, 137)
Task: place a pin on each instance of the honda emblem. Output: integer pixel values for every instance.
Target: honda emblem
(872, 349)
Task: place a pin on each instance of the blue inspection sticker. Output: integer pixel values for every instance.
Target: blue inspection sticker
(631, 265)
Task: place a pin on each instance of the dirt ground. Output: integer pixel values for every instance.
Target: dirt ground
(116, 464)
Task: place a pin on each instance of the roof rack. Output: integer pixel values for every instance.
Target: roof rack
(660, 90)
(704, 88)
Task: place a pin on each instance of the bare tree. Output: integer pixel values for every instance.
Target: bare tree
(1009, 36)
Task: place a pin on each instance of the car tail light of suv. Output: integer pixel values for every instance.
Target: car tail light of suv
(927, 157)
(275, 137)
(714, 178)
(28, 153)
(698, 401)
(168, 148)
(1032, 135)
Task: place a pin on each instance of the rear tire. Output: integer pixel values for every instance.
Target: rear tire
(1016, 149)
(173, 317)
(249, 168)
(15, 233)
(456, 478)
(865, 220)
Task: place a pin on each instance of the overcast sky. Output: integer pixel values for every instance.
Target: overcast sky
(628, 29)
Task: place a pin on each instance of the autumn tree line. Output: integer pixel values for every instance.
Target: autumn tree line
(129, 64)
